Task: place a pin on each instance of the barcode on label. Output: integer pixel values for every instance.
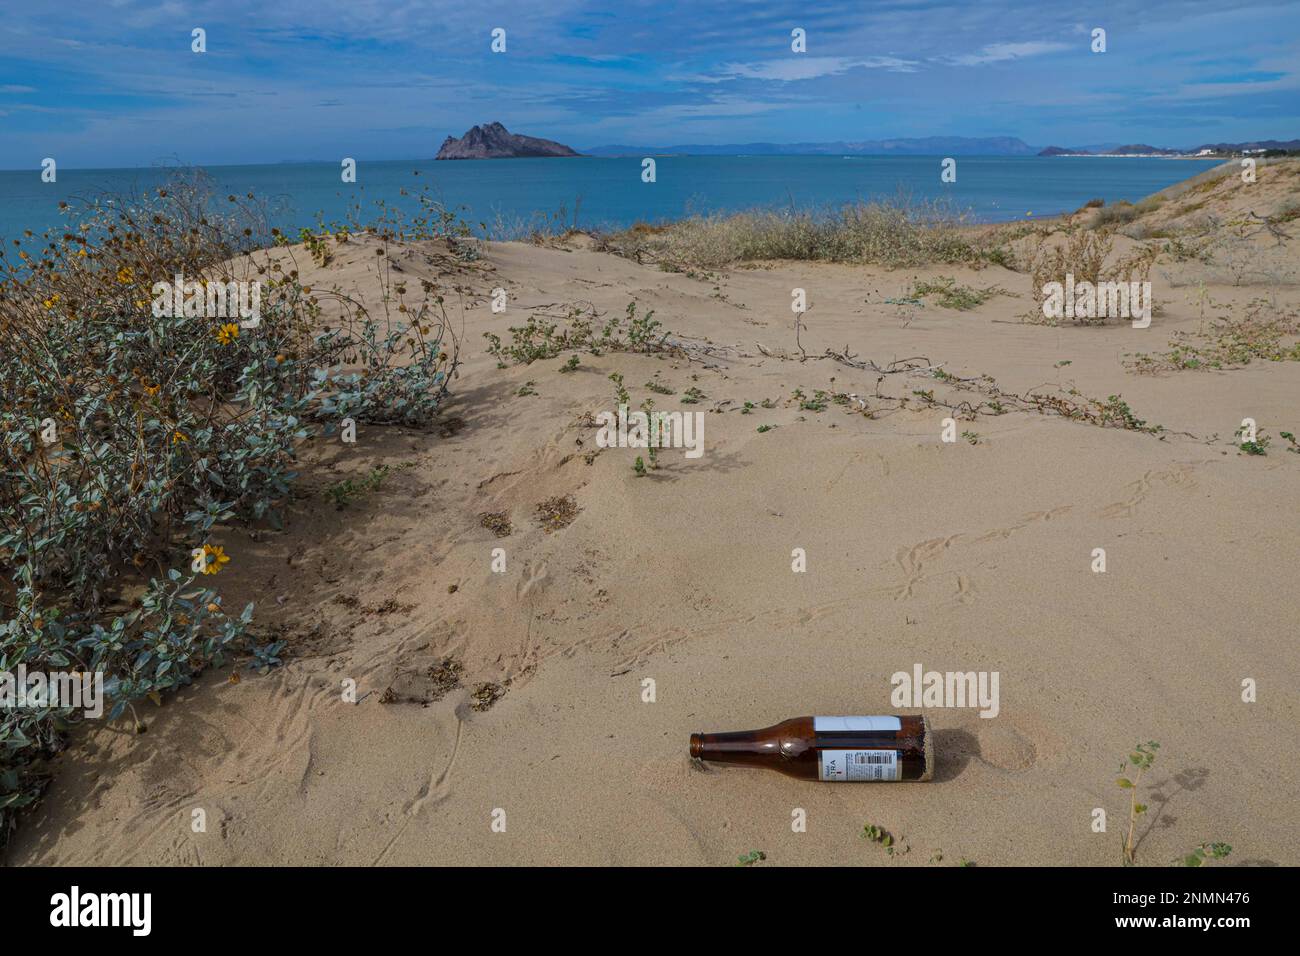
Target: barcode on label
(873, 758)
(860, 765)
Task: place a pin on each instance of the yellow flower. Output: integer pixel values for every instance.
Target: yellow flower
(125, 275)
(227, 333)
(214, 556)
(178, 436)
(153, 390)
(81, 253)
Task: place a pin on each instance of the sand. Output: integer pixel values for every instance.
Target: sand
(957, 556)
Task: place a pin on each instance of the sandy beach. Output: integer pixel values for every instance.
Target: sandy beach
(520, 695)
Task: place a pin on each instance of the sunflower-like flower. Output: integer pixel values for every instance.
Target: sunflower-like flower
(214, 556)
(227, 333)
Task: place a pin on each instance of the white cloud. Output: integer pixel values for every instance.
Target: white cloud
(998, 52)
(794, 68)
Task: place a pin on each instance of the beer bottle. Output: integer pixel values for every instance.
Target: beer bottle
(829, 748)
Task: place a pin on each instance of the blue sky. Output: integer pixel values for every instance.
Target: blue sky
(114, 82)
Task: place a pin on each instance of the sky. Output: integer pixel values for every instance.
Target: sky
(107, 83)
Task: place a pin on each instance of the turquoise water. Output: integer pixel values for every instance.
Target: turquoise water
(610, 193)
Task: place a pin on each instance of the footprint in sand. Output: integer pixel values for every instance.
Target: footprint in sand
(534, 578)
(1140, 490)
(1002, 746)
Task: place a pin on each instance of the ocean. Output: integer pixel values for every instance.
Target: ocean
(608, 193)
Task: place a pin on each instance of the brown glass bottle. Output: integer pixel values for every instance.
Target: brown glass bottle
(829, 748)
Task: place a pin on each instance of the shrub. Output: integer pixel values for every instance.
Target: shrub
(128, 439)
(1083, 255)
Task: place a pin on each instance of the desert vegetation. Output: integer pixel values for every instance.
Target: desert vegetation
(894, 233)
(131, 439)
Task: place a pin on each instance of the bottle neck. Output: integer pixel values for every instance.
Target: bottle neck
(738, 747)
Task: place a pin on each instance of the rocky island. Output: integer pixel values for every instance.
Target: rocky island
(494, 141)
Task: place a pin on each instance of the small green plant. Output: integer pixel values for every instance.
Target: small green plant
(815, 404)
(659, 388)
(692, 396)
(752, 857)
(877, 835)
(526, 389)
(656, 431)
(1293, 445)
(972, 437)
(764, 428)
(1140, 761)
(344, 492)
(1115, 411)
(571, 365)
(1255, 446)
(545, 335)
(620, 392)
(317, 246)
(749, 407)
(654, 422)
(1206, 851)
(266, 656)
(952, 296)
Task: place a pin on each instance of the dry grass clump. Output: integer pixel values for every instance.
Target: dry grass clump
(558, 512)
(896, 234)
(1123, 213)
(1083, 255)
(498, 522)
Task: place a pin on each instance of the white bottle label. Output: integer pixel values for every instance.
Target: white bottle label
(856, 723)
(855, 765)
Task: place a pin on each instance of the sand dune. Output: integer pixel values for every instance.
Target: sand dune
(973, 555)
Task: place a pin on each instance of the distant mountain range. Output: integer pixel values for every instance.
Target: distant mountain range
(1141, 149)
(934, 146)
(1107, 150)
(925, 146)
(494, 141)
